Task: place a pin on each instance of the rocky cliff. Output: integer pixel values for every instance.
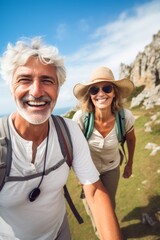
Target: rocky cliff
(145, 70)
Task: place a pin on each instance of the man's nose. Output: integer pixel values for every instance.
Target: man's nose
(36, 89)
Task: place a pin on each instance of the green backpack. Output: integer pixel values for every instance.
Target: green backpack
(6, 157)
(88, 125)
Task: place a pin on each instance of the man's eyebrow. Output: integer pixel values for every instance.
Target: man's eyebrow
(23, 75)
(42, 76)
(47, 76)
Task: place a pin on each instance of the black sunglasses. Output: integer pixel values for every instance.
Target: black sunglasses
(94, 90)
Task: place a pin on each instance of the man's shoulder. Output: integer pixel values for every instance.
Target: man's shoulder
(68, 121)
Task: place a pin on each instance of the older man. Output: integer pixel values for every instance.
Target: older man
(35, 73)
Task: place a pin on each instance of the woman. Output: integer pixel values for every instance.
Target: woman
(103, 96)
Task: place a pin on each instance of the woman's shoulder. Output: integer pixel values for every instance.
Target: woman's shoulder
(128, 112)
(78, 114)
(129, 117)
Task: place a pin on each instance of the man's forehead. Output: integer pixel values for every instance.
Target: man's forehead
(36, 68)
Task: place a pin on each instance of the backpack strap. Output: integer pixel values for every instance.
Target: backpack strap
(67, 149)
(5, 151)
(64, 138)
(121, 130)
(120, 123)
(88, 124)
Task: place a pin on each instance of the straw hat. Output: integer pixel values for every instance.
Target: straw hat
(103, 74)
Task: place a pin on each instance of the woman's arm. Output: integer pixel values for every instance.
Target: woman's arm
(131, 141)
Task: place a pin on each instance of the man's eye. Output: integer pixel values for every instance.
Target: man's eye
(24, 80)
(49, 81)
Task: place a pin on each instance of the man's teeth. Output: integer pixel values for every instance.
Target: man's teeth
(32, 103)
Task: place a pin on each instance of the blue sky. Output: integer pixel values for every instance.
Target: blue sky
(89, 33)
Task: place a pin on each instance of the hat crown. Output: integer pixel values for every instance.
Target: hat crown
(102, 73)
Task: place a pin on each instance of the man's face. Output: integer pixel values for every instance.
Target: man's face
(35, 90)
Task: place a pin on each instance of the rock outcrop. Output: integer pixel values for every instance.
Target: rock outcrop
(145, 70)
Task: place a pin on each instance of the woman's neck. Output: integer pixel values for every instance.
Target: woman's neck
(103, 115)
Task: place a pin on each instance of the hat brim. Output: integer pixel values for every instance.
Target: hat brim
(125, 86)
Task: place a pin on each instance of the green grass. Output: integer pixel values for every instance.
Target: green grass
(135, 196)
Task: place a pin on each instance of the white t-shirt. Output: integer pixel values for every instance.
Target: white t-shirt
(105, 150)
(6, 232)
(41, 219)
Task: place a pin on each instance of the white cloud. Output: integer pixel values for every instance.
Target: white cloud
(83, 25)
(6, 105)
(114, 43)
(61, 31)
(65, 98)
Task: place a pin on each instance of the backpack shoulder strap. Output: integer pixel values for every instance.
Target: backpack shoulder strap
(120, 123)
(67, 149)
(5, 151)
(64, 138)
(121, 129)
(88, 124)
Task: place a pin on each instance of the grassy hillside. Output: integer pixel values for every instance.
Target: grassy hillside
(137, 195)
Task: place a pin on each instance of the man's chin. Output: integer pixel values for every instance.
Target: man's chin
(35, 118)
(36, 121)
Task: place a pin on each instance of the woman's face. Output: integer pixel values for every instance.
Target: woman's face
(102, 95)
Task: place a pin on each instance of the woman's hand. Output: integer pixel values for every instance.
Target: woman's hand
(127, 171)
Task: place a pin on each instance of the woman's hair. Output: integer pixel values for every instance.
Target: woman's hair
(87, 106)
(19, 54)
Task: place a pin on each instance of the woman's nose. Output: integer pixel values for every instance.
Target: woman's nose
(101, 92)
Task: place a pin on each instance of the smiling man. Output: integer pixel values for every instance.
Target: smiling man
(35, 207)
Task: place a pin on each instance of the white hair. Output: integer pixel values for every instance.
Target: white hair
(19, 54)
